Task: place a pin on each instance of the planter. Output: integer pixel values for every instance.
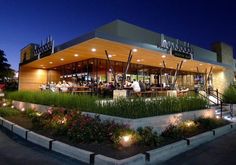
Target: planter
(222, 130)
(37, 107)
(1, 121)
(152, 157)
(164, 153)
(134, 160)
(7, 124)
(20, 131)
(233, 126)
(79, 154)
(119, 94)
(39, 140)
(200, 139)
(159, 123)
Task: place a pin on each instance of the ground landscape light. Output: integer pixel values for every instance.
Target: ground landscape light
(93, 49)
(22, 109)
(12, 106)
(163, 56)
(38, 114)
(189, 123)
(4, 104)
(134, 50)
(126, 140)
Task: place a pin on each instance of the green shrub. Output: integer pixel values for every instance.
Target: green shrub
(125, 137)
(229, 95)
(148, 137)
(6, 112)
(172, 132)
(211, 123)
(190, 128)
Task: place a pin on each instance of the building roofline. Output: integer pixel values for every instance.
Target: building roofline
(29, 45)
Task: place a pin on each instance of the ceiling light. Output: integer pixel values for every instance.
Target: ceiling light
(138, 60)
(44, 67)
(62, 59)
(185, 60)
(109, 55)
(163, 56)
(200, 64)
(50, 62)
(134, 50)
(76, 55)
(41, 65)
(93, 50)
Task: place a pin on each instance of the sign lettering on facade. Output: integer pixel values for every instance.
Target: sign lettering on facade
(44, 49)
(178, 48)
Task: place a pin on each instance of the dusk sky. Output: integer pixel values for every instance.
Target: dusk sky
(199, 22)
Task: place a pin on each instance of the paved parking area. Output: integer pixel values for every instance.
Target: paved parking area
(16, 151)
(221, 151)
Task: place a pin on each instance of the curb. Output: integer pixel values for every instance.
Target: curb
(7, 124)
(164, 153)
(22, 132)
(71, 151)
(200, 139)
(167, 152)
(138, 159)
(39, 140)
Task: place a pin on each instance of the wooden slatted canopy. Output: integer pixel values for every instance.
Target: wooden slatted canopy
(118, 52)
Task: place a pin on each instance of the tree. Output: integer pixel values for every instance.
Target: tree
(5, 69)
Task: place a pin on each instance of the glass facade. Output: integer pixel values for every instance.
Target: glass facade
(98, 70)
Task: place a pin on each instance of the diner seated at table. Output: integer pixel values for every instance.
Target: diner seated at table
(135, 86)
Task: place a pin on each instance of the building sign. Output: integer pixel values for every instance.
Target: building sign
(178, 48)
(44, 49)
(181, 54)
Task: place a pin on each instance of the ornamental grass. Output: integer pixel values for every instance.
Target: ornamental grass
(128, 108)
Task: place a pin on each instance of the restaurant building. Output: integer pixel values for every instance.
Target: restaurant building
(103, 56)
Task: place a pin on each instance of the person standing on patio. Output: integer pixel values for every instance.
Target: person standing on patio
(135, 86)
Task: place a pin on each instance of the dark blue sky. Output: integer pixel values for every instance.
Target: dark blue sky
(199, 22)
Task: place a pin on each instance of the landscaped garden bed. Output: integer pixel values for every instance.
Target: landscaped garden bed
(105, 138)
(87, 123)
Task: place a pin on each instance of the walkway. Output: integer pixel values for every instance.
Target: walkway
(221, 151)
(16, 151)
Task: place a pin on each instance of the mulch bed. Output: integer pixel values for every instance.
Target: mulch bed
(106, 149)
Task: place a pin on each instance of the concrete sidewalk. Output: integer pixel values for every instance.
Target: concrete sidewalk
(16, 151)
(221, 151)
